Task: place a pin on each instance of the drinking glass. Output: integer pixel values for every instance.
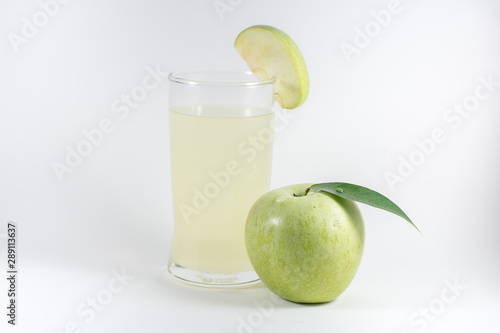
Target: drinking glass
(221, 140)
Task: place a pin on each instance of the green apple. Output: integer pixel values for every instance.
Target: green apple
(305, 245)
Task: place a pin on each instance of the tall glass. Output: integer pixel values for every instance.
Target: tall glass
(221, 138)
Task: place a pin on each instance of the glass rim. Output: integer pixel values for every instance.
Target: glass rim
(180, 77)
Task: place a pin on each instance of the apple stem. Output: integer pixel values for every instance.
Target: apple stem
(307, 191)
(295, 195)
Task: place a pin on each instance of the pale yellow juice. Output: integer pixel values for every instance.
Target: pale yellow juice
(221, 163)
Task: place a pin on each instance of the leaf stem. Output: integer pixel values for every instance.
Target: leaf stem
(307, 191)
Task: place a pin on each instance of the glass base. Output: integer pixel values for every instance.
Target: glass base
(206, 279)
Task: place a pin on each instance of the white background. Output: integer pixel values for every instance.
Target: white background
(113, 212)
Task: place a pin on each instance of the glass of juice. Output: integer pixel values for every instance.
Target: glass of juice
(221, 139)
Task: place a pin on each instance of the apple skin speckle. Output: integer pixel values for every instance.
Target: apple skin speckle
(306, 249)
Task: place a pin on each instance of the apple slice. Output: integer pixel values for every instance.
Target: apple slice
(269, 52)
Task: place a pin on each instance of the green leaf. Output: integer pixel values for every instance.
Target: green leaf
(363, 195)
